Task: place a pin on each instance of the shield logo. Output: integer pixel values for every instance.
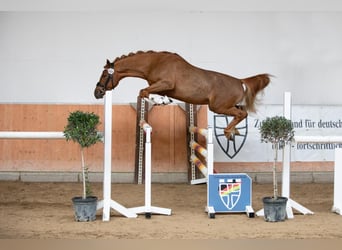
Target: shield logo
(230, 192)
(230, 147)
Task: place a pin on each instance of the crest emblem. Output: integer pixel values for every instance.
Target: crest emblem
(230, 147)
(230, 192)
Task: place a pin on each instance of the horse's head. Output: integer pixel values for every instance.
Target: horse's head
(106, 81)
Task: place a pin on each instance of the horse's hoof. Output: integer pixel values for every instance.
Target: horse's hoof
(230, 134)
(236, 132)
(231, 137)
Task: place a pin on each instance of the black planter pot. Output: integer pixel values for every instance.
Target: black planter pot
(85, 209)
(274, 210)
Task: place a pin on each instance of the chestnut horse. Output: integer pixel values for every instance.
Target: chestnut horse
(169, 74)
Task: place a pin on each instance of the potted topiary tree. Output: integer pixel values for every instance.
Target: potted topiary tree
(279, 131)
(82, 129)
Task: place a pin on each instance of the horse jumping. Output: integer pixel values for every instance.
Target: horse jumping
(168, 74)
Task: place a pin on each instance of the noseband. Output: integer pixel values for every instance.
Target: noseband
(110, 76)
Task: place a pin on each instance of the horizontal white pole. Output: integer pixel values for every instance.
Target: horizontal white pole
(31, 135)
(301, 139)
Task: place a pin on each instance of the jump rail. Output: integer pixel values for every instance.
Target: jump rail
(328, 139)
(54, 135)
(31, 135)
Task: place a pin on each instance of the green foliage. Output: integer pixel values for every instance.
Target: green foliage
(277, 130)
(82, 128)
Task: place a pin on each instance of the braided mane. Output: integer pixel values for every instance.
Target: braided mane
(140, 52)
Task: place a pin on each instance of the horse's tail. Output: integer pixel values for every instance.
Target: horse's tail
(254, 84)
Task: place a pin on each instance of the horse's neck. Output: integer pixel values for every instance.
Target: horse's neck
(134, 66)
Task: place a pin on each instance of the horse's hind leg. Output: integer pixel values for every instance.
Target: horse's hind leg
(239, 115)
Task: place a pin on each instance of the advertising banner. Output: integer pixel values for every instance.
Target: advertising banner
(308, 120)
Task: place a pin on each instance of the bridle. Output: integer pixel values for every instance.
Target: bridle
(110, 76)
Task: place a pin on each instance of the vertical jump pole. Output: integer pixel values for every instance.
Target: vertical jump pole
(285, 191)
(107, 203)
(191, 121)
(337, 206)
(286, 167)
(148, 209)
(107, 172)
(287, 113)
(148, 171)
(210, 149)
(142, 115)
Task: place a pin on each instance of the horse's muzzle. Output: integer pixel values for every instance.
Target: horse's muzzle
(99, 92)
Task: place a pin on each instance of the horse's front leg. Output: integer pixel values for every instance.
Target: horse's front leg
(239, 115)
(156, 88)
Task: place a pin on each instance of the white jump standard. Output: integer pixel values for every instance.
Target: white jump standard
(337, 206)
(148, 209)
(107, 203)
(286, 170)
(286, 167)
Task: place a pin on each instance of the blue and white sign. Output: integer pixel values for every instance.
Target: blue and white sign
(229, 192)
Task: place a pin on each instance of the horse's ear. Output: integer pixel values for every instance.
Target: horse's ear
(107, 63)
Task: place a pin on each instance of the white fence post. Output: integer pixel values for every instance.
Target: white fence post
(107, 203)
(286, 167)
(107, 157)
(286, 150)
(337, 206)
(148, 209)
(287, 113)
